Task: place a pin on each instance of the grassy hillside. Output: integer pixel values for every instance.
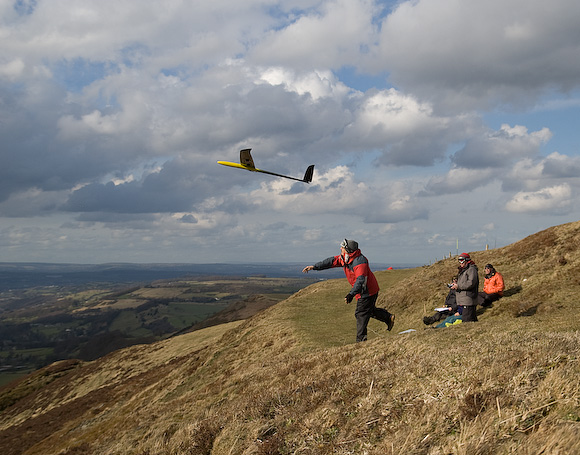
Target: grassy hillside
(290, 380)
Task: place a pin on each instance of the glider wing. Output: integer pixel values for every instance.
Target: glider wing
(247, 163)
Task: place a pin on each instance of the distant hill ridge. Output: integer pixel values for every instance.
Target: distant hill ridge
(18, 275)
(290, 380)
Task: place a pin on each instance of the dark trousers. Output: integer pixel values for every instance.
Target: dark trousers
(485, 299)
(366, 309)
(469, 314)
(440, 315)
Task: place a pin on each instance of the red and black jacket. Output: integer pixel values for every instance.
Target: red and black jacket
(357, 272)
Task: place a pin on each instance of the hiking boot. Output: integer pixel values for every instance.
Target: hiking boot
(428, 320)
(391, 322)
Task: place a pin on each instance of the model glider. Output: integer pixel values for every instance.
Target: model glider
(247, 163)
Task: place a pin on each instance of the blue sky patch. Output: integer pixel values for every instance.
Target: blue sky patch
(363, 82)
(25, 7)
(78, 73)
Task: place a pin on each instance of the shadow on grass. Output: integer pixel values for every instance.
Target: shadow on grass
(512, 291)
(530, 311)
(508, 293)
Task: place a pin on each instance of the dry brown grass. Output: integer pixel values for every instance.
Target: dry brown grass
(291, 381)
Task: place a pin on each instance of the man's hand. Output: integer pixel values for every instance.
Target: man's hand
(348, 298)
(307, 269)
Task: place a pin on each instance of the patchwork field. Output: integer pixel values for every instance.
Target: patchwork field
(44, 324)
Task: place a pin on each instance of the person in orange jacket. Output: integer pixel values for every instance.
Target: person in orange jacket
(493, 287)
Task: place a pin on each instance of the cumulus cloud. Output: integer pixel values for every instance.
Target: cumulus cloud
(458, 180)
(12, 69)
(530, 175)
(396, 211)
(317, 84)
(510, 156)
(466, 55)
(304, 41)
(406, 130)
(557, 165)
(499, 148)
(113, 117)
(173, 187)
(552, 200)
(337, 191)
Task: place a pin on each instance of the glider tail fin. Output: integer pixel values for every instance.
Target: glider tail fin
(308, 174)
(246, 158)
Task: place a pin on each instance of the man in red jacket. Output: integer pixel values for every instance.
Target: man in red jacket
(364, 286)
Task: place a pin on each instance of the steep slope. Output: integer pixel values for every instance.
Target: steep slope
(290, 380)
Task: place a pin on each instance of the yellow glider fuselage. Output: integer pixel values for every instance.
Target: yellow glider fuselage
(238, 165)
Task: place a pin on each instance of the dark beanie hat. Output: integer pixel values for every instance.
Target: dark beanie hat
(349, 245)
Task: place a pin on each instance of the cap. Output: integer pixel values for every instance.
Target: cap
(349, 245)
(464, 257)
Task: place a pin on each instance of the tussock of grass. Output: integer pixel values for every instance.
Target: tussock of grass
(291, 381)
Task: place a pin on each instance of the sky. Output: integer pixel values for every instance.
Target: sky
(435, 127)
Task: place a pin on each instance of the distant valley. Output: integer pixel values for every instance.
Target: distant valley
(51, 312)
